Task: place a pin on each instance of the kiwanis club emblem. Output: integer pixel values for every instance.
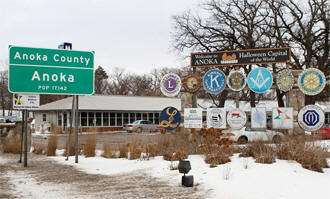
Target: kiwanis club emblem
(214, 81)
(170, 85)
(236, 80)
(285, 80)
(192, 83)
(311, 81)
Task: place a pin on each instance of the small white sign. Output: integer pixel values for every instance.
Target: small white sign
(282, 118)
(193, 118)
(25, 101)
(258, 118)
(216, 118)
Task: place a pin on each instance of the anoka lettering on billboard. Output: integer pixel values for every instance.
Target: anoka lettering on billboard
(241, 57)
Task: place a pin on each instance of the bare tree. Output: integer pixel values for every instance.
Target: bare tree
(306, 29)
(5, 96)
(229, 24)
(100, 80)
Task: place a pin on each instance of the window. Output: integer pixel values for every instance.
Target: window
(83, 118)
(91, 120)
(59, 119)
(119, 119)
(156, 118)
(145, 116)
(131, 117)
(151, 117)
(125, 118)
(138, 116)
(105, 119)
(44, 117)
(327, 118)
(98, 118)
(112, 119)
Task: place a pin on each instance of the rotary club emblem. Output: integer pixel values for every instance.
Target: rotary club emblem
(311, 81)
(192, 83)
(236, 80)
(285, 80)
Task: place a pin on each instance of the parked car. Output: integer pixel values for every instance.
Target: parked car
(12, 119)
(323, 133)
(247, 134)
(2, 120)
(141, 125)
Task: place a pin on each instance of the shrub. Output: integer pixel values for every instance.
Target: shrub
(260, 151)
(309, 155)
(38, 149)
(52, 145)
(72, 145)
(89, 149)
(135, 148)
(174, 156)
(12, 145)
(218, 155)
(108, 151)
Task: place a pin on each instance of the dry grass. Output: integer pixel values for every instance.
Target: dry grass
(52, 145)
(109, 151)
(260, 151)
(309, 155)
(72, 146)
(177, 155)
(38, 149)
(89, 149)
(216, 149)
(12, 145)
(218, 155)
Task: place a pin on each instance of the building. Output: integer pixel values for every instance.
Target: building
(103, 112)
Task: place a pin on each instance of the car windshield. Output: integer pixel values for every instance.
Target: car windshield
(136, 122)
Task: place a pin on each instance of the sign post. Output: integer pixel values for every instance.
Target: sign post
(51, 71)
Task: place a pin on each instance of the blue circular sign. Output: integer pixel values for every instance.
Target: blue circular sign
(170, 118)
(260, 80)
(214, 81)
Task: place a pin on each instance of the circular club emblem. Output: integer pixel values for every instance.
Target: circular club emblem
(236, 118)
(311, 118)
(214, 81)
(170, 118)
(170, 85)
(311, 81)
(285, 80)
(192, 83)
(216, 118)
(260, 80)
(236, 80)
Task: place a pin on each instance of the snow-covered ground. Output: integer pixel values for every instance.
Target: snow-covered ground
(241, 178)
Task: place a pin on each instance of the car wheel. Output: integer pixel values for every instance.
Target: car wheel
(138, 130)
(277, 139)
(242, 140)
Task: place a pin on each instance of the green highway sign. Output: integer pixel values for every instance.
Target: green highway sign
(50, 71)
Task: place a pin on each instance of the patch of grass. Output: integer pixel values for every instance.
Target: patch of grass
(52, 145)
(72, 145)
(12, 145)
(38, 149)
(309, 155)
(89, 149)
(260, 151)
(218, 155)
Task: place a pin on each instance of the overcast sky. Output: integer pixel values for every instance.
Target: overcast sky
(129, 34)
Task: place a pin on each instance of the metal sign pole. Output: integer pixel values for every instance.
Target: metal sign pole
(22, 133)
(25, 137)
(70, 130)
(76, 128)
